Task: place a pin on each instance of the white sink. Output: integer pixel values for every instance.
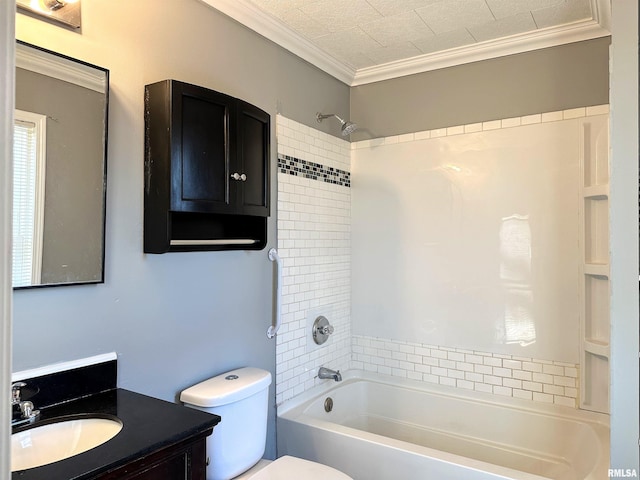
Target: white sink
(56, 441)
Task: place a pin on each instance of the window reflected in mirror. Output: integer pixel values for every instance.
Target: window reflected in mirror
(29, 170)
(60, 134)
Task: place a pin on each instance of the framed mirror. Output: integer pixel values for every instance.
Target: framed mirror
(60, 169)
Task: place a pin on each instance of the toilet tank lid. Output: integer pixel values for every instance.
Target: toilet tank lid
(227, 387)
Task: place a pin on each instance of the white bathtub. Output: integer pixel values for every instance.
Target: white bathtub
(383, 428)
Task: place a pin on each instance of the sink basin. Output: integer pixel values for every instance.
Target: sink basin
(56, 441)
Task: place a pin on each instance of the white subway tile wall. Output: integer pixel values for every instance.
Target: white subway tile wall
(527, 378)
(314, 230)
(314, 225)
(484, 126)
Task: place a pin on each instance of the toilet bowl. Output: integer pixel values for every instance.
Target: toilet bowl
(236, 447)
(292, 468)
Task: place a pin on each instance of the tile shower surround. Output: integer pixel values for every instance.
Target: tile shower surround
(314, 225)
(314, 241)
(538, 380)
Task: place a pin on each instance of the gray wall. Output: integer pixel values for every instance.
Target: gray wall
(178, 318)
(558, 78)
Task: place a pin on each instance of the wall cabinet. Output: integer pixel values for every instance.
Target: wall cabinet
(206, 170)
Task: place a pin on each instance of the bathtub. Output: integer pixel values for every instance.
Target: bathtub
(383, 428)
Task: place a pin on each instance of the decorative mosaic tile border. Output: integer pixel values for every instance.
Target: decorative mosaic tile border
(507, 375)
(313, 171)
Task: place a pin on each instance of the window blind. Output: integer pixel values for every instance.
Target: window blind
(28, 197)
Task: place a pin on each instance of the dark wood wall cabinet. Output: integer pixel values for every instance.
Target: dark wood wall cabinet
(206, 170)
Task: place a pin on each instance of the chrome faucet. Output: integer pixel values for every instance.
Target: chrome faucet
(27, 412)
(326, 373)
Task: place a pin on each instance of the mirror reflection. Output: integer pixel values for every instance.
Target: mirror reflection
(60, 134)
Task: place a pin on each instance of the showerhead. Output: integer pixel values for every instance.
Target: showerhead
(347, 127)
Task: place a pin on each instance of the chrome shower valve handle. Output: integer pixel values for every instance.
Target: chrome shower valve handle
(321, 330)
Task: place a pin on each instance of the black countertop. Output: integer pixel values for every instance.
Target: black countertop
(149, 424)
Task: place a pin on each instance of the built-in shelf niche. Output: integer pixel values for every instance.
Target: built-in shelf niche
(595, 284)
(596, 230)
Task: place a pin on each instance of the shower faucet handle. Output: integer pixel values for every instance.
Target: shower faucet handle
(321, 330)
(326, 330)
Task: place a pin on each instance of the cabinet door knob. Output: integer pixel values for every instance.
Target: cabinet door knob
(235, 176)
(243, 177)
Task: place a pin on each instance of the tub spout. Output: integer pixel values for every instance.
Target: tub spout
(326, 373)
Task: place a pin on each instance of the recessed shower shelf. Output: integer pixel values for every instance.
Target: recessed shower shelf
(596, 347)
(594, 281)
(596, 192)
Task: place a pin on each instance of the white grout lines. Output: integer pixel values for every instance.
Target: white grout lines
(506, 375)
(485, 126)
(314, 240)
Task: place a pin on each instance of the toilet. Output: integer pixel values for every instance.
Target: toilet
(236, 447)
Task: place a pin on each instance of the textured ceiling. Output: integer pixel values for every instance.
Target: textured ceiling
(364, 41)
(364, 33)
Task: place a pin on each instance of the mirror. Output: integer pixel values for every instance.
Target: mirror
(60, 139)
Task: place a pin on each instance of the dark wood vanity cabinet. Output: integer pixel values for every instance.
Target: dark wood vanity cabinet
(206, 170)
(184, 461)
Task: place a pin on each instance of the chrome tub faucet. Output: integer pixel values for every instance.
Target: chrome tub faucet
(327, 373)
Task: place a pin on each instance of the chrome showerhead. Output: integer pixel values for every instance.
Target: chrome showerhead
(347, 127)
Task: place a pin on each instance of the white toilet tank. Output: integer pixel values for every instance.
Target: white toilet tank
(241, 398)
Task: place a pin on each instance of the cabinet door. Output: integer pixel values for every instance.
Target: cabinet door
(253, 145)
(185, 461)
(202, 152)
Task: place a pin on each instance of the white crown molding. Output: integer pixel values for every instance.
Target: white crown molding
(602, 13)
(273, 29)
(61, 68)
(246, 13)
(544, 38)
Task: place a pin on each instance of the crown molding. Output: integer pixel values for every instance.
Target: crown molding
(60, 68)
(249, 15)
(550, 37)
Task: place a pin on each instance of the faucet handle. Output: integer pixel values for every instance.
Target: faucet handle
(15, 392)
(321, 330)
(326, 330)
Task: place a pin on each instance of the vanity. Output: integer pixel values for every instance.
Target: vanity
(158, 440)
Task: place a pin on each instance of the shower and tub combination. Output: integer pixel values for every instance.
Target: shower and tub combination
(375, 427)
(449, 368)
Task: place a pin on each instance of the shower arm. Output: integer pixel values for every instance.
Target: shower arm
(347, 127)
(321, 116)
